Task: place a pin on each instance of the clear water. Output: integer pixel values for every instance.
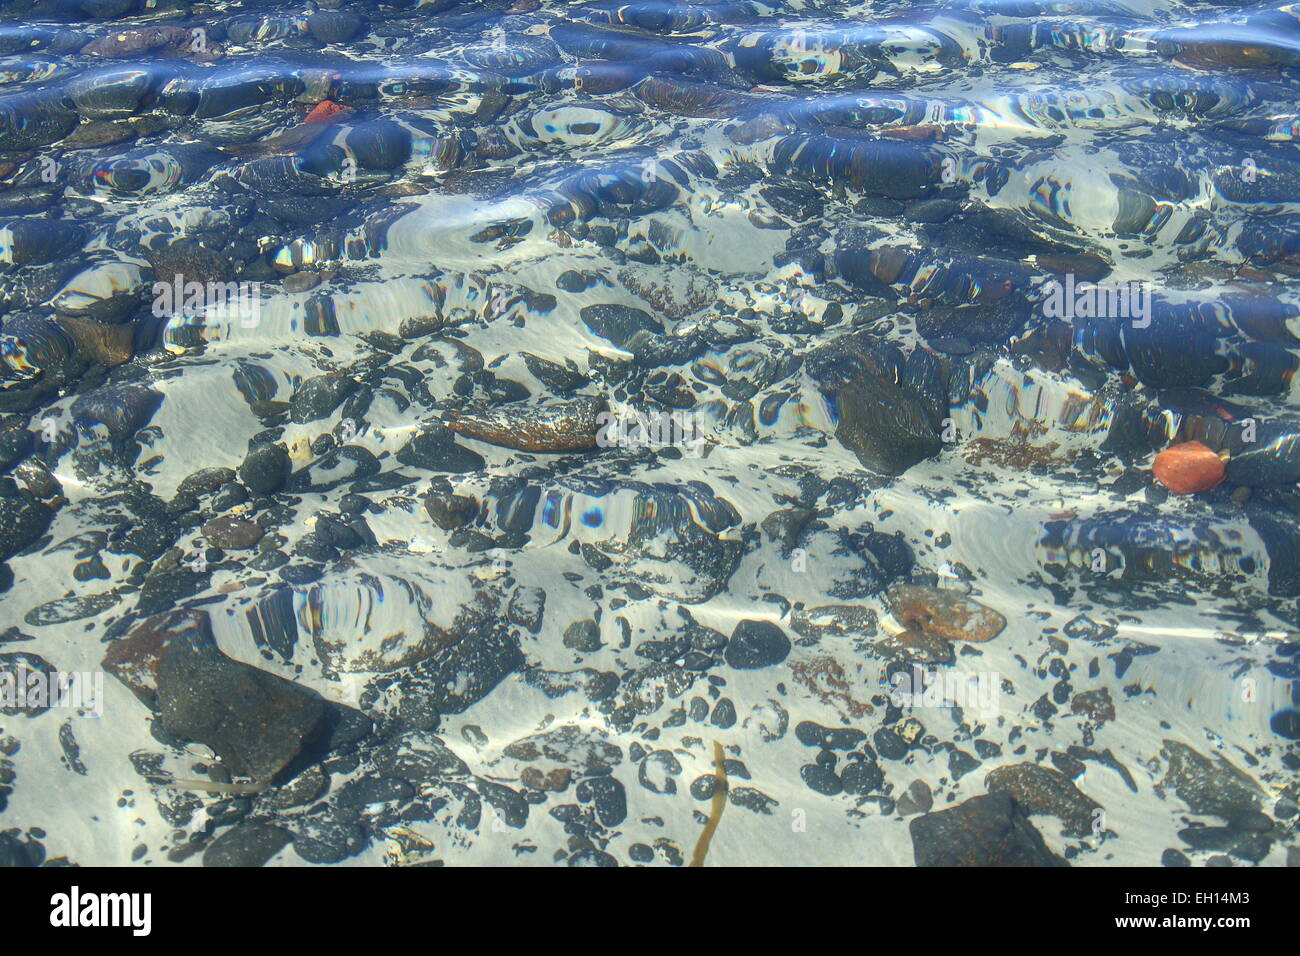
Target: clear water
(926, 287)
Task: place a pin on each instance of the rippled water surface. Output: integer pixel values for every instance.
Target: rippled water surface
(521, 431)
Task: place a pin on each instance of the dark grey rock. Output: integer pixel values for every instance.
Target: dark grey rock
(435, 449)
(123, 410)
(508, 807)
(608, 797)
(265, 469)
(255, 721)
(449, 511)
(481, 652)
(527, 607)
(420, 757)
(23, 520)
(756, 644)
(204, 482)
(582, 636)
(317, 397)
(930, 210)
(988, 830)
(821, 779)
(248, 844)
(335, 26)
(885, 427)
(379, 144)
(325, 840)
(39, 241)
(30, 679)
(619, 323)
(811, 734)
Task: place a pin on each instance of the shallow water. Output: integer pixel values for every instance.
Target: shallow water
(908, 298)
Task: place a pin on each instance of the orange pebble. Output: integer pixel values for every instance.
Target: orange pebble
(325, 112)
(1188, 468)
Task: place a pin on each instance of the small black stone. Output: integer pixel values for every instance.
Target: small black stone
(756, 644)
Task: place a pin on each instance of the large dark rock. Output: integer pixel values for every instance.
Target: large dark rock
(989, 830)
(335, 26)
(122, 410)
(249, 844)
(326, 840)
(434, 448)
(191, 260)
(619, 323)
(884, 426)
(255, 721)
(134, 659)
(379, 144)
(888, 406)
(23, 520)
(38, 241)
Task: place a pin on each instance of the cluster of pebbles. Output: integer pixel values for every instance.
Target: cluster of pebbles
(875, 546)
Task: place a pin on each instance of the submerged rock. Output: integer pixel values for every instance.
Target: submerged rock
(888, 409)
(884, 426)
(619, 323)
(231, 533)
(756, 644)
(1208, 786)
(23, 519)
(1188, 468)
(434, 448)
(449, 511)
(1042, 790)
(248, 844)
(123, 410)
(545, 427)
(317, 397)
(26, 685)
(944, 613)
(255, 721)
(989, 830)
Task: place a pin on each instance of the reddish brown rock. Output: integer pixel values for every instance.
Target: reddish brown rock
(544, 427)
(557, 781)
(231, 533)
(326, 111)
(1188, 468)
(1096, 705)
(945, 613)
(107, 345)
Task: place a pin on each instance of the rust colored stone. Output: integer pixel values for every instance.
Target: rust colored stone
(944, 612)
(231, 533)
(1188, 468)
(326, 111)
